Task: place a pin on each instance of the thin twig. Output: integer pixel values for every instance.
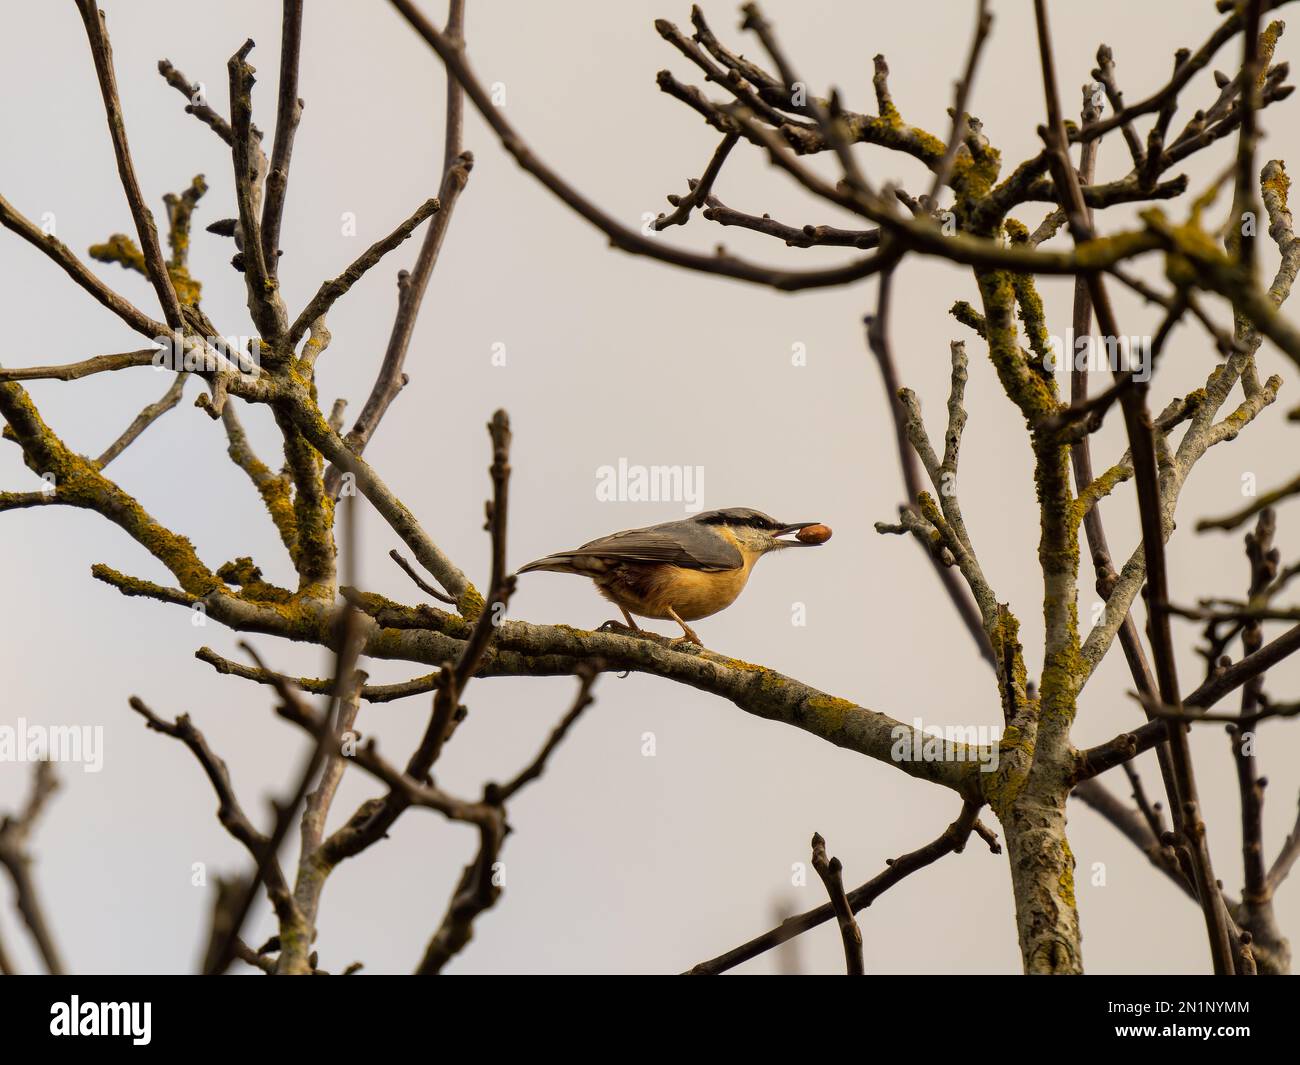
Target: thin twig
(699, 189)
(146, 230)
(879, 343)
(952, 840)
(456, 166)
(534, 769)
(832, 876)
(15, 856)
(143, 420)
(74, 371)
(197, 106)
(424, 586)
(49, 245)
(478, 889)
(287, 116)
(960, 126)
(333, 289)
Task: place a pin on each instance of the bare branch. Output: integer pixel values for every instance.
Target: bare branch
(620, 236)
(456, 166)
(794, 236)
(15, 856)
(424, 586)
(146, 230)
(535, 768)
(76, 370)
(1264, 501)
(371, 693)
(878, 341)
(332, 290)
(287, 116)
(264, 302)
(143, 420)
(198, 105)
(55, 249)
(1286, 858)
(1141, 439)
(953, 840)
(831, 872)
(957, 136)
(699, 189)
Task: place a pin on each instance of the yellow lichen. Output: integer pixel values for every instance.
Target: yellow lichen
(119, 248)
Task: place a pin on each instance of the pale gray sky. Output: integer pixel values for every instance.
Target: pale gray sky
(620, 862)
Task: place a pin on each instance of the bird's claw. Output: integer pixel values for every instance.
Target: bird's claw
(619, 629)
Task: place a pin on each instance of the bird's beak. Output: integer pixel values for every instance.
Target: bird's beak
(789, 530)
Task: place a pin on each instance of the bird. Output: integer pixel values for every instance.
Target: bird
(681, 570)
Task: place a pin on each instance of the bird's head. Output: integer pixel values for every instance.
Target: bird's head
(757, 533)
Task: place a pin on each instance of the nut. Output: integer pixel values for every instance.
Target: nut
(813, 534)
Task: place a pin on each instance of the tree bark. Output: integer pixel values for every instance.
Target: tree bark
(1042, 880)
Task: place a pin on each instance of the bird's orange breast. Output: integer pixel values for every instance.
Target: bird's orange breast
(649, 590)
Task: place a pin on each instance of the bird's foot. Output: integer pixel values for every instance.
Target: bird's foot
(621, 629)
(688, 633)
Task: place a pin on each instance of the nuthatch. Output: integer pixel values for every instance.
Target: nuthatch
(681, 570)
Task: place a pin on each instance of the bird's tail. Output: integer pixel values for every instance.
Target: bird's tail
(561, 563)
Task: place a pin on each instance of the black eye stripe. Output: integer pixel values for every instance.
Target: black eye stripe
(739, 516)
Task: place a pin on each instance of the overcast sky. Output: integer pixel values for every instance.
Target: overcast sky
(620, 862)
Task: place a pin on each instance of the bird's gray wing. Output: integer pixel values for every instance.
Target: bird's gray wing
(681, 543)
